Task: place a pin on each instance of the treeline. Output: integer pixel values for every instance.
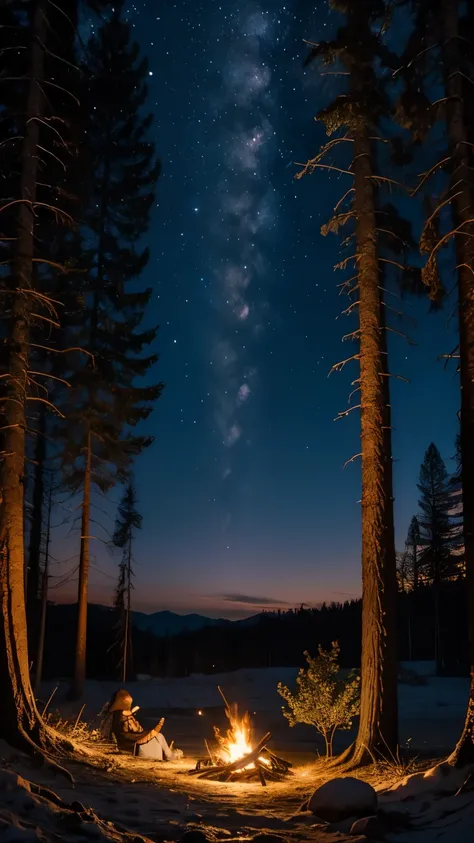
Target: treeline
(78, 171)
(280, 639)
(271, 639)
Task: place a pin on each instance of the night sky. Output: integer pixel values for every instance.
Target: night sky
(244, 497)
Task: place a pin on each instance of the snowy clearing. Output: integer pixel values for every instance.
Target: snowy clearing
(125, 798)
(431, 714)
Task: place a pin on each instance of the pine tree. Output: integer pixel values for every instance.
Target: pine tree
(436, 560)
(434, 520)
(106, 403)
(29, 120)
(354, 119)
(413, 552)
(127, 522)
(403, 571)
(456, 512)
(440, 53)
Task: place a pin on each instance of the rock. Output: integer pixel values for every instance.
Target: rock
(342, 798)
(370, 827)
(194, 837)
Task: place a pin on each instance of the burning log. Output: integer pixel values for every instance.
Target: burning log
(235, 759)
(259, 765)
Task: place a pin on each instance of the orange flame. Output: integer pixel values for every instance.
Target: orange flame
(236, 742)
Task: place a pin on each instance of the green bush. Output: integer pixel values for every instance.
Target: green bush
(322, 699)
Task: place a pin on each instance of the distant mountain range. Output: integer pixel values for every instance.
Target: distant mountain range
(162, 624)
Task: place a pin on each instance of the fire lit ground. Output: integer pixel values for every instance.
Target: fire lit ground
(160, 800)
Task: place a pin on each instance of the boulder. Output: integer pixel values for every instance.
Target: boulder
(342, 798)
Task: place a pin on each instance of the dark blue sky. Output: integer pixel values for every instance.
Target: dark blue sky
(244, 497)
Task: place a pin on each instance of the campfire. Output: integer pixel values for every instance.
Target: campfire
(233, 758)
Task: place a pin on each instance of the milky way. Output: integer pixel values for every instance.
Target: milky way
(245, 218)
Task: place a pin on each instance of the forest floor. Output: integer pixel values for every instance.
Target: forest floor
(125, 798)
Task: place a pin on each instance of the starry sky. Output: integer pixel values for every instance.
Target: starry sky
(245, 500)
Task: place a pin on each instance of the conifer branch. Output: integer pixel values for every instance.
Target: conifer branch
(349, 309)
(341, 200)
(345, 413)
(394, 263)
(352, 289)
(62, 350)
(339, 366)
(439, 208)
(400, 334)
(49, 376)
(352, 336)
(352, 459)
(310, 167)
(425, 176)
(448, 237)
(343, 264)
(384, 179)
(47, 403)
(354, 392)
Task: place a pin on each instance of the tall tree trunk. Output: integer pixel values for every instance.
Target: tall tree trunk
(80, 659)
(20, 721)
(128, 629)
(378, 725)
(44, 598)
(36, 532)
(462, 163)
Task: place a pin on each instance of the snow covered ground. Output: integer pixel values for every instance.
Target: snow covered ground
(431, 714)
(126, 800)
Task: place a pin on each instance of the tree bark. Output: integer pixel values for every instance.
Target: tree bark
(77, 687)
(33, 601)
(378, 724)
(36, 533)
(462, 163)
(20, 722)
(44, 600)
(127, 638)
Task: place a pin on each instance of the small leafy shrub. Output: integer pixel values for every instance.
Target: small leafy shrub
(322, 699)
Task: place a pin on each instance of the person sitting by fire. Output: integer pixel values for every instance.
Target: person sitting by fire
(130, 735)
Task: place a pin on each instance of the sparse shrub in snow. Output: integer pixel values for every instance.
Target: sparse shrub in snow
(322, 699)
